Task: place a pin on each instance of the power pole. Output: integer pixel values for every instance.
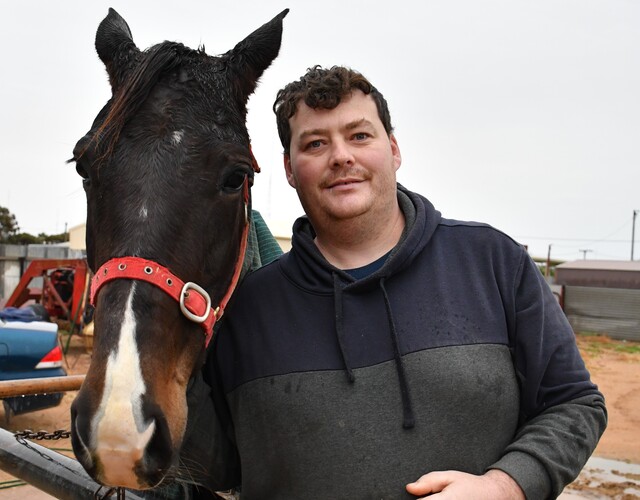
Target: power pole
(633, 231)
(546, 270)
(584, 253)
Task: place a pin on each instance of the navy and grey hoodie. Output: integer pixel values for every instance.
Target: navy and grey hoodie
(453, 355)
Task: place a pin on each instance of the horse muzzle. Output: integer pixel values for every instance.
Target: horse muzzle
(116, 453)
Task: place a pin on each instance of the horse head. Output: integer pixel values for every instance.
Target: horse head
(166, 168)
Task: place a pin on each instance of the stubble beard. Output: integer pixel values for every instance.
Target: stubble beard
(354, 224)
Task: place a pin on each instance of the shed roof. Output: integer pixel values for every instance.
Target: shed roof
(602, 265)
(599, 273)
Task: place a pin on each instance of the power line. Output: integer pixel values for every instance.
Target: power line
(587, 240)
(553, 238)
(614, 232)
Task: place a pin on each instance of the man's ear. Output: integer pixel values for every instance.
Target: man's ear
(289, 171)
(395, 151)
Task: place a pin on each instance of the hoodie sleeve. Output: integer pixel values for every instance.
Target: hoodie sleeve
(562, 413)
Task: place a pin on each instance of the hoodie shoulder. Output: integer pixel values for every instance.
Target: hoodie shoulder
(468, 237)
(479, 230)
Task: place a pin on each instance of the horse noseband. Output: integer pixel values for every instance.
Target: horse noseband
(194, 301)
(184, 294)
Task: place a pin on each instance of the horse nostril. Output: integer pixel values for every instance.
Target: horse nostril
(80, 438)
(159, 454)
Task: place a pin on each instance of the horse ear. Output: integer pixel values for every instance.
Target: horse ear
(115, 47)
(249, 58)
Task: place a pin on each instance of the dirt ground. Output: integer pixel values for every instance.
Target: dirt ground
(614, 366)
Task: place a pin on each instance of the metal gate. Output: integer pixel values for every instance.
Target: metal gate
(611, 311)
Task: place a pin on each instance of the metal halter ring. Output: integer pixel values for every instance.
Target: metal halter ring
(194, 317)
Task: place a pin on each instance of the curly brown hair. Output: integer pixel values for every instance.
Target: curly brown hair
(324, 88)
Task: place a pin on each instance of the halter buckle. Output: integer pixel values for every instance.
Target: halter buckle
(184, 293)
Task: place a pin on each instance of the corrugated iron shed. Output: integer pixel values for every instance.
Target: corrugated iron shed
(599, 273)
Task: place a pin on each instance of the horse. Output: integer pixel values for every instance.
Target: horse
(167, 169)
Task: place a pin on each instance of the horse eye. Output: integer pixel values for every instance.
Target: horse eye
(235, 180)
(81, 171)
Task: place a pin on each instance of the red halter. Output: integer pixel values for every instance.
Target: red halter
(195, 302)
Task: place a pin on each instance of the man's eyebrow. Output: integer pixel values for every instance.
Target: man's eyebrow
(349, 126)
(315, 131)
(357, 123)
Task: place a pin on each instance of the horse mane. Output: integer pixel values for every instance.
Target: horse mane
(134, 92)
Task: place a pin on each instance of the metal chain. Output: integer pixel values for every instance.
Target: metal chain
(54, 436)
(43, 435)
(22, 436)
(23, 441)
(120, 493)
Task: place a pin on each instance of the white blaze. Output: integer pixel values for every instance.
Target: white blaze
(118, 428)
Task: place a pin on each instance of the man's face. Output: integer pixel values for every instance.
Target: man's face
(342, 163)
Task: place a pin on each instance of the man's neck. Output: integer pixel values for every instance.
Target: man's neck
(354, 243)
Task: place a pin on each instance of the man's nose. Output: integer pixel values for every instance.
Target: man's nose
(341, 154)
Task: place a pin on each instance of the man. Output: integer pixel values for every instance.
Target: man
(392, 353)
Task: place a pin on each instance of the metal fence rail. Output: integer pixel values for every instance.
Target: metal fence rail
(47, 470)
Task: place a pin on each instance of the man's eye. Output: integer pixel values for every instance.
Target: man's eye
(360, 136)
(314, 144)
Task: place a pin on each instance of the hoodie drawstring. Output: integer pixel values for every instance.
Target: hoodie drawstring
(408, 420)
(337, 294)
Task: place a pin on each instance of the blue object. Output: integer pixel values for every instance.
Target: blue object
(25, 314)
(29, 349)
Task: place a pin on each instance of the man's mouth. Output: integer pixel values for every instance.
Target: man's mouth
(343, 182)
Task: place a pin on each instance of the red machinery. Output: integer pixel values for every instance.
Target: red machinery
(64, 282)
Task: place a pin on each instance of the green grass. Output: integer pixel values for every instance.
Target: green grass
(631, 348)
(595, 343)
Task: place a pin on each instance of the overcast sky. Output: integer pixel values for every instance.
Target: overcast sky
(521, 114)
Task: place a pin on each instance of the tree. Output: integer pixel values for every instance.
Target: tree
(8, 225)
(54, 238)
(10, 232)
(22, 239)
